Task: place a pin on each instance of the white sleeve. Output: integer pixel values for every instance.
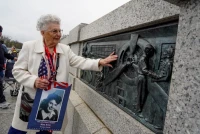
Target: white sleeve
(20, 69)
(83, 63)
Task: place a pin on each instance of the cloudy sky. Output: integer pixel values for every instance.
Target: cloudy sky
(19, 17)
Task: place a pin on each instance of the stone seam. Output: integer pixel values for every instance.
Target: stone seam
(75, 107)
(91, 113)
(101, 129)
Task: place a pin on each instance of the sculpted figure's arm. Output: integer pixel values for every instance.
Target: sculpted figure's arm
(147, 72)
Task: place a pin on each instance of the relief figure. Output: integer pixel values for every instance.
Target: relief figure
(133, 83)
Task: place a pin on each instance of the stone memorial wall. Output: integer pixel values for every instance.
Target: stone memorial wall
(153, 87)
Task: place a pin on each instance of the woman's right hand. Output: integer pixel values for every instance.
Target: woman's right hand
(41, 83)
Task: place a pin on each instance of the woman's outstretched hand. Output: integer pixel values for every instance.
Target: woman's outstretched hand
(106, 62)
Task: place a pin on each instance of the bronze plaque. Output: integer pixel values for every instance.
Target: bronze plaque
(139, 81)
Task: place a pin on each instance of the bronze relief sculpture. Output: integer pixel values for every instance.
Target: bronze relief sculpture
(139, 81)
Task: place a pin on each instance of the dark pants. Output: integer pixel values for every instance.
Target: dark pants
(15, 131)
(2, 97)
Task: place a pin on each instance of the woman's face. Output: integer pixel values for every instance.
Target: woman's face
(51, 105)
(52, 35)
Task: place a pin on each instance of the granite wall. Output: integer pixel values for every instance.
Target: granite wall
(183, 115)
(184, 98)
(130, 16)
(176, 2)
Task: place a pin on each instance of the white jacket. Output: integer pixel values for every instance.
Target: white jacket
(25, 71)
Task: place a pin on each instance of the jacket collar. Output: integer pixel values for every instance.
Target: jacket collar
(38, 48)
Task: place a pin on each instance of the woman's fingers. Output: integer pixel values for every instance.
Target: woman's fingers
(43, 86)
(112, 53)
(106, 62)
(109, 65)
(112, 57)
(41, 83)
(45, 81)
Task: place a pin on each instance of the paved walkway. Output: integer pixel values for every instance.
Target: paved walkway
(6, 115)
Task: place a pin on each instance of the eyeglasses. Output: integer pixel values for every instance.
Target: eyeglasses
(55, 31)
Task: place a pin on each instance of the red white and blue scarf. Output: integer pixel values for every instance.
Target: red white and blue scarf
(47, 69)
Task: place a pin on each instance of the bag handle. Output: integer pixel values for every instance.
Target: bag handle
(22, 88)
(57, 64)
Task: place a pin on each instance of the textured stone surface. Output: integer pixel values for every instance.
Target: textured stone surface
(6, 115)
(103, 131)
(70, 115)
(81, 120)
(114, 118)
(57, 132)
(183, 115)
(132, 15)
(76, 49)
(91, 122)
(65, 39)
(71, 80)
(74, 100)
(79, 127)
(74, 34)
(176, 2)
(5, 122)
(74, 120)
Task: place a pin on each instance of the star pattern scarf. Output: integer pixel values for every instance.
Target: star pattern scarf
(48, 69)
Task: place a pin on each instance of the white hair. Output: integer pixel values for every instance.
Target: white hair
(44, 20)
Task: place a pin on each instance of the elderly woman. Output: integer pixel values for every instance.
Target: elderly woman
(44, 54)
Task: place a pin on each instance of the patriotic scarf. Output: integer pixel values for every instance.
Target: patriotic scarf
(47, 69)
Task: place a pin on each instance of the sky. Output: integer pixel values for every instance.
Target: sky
(19, 17)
